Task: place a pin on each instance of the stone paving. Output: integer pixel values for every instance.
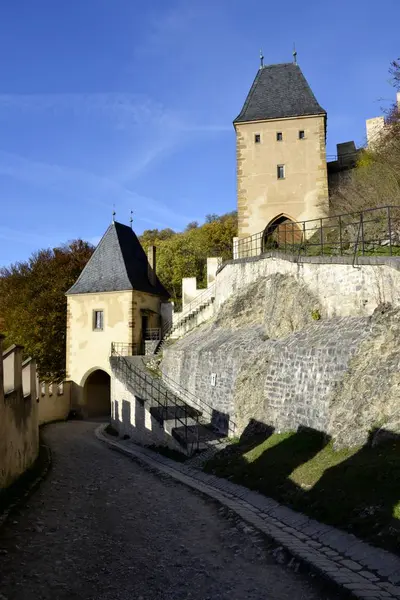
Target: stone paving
(362, 570)
(102, 527)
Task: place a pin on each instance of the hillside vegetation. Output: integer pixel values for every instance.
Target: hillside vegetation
(376, 179)
(33, 305)
(184, 254)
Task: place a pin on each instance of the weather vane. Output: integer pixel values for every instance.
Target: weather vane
(261, 59)
(113, 213)
(294, 54)
(131, 219)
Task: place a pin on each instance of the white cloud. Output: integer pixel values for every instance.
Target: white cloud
(87, 187)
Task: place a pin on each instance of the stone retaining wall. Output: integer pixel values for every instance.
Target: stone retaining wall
(286, 341)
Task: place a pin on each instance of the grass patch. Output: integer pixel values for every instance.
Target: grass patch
(355, 489)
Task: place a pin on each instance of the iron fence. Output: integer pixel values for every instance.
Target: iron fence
(205, 408)
(204, 298)
(370, 232)
(124, 349)
(152, 390)
(153, 334)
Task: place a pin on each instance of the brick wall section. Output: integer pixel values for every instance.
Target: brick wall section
(299, 372)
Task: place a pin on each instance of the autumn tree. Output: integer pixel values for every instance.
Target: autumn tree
(33, 304)
(185, 254)
(376, 179)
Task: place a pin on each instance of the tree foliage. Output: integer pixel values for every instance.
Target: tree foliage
(184, 254)
(395, 73)
(376, 179)
(33, 305)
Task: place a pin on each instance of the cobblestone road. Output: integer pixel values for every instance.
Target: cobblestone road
(102, 527)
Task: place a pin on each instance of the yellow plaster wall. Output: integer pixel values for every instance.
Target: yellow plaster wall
(19, 430)
(19, 438)
(261, 196)
(87, 349)
(54, 406)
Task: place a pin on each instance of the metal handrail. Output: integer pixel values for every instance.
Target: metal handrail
(150, 389)
(125, 349)
(379, 227)
(192, 399)
(208, 294)
(153, 333)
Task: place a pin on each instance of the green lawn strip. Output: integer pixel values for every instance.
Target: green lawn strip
(355, 489)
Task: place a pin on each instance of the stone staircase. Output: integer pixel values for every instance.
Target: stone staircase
(191, 316)
(189, 426)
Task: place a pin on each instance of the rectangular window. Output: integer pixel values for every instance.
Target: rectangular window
(281, 171)
(257, 138)
(60, 389)
(302, 134)
(98, 320)
(50, 389)
(279, 136)
(43, 388)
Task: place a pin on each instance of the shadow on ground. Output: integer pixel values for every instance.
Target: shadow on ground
(354, 489)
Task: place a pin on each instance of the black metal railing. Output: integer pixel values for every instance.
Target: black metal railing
(152, 390)
(202, 300)
(153, 333)
(344, 159)
(206, 409)
(370, 232)
(124, 349)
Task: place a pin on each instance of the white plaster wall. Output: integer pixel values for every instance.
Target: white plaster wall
(189, 290)
(343, 290)
(132, 417)
(213, 262)
(196, 319)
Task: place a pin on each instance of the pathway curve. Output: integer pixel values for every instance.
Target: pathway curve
(103, 527)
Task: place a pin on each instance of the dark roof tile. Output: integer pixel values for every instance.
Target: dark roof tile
(119, 263)
(278, 92)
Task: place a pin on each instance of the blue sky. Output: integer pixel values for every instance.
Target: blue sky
(127, 102)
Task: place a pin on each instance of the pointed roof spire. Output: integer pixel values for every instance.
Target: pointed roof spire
(119, 263)
(261, 59)
(294, 54)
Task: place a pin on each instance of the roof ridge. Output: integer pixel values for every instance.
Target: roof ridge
(119, 263)
(279, 91)
(279, 65)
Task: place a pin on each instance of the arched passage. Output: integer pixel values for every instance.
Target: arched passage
(281, 232)
(96, 393)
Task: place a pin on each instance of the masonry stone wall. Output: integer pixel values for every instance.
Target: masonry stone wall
(294, 344)
(341, 288)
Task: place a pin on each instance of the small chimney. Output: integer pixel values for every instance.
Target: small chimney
(151, 267)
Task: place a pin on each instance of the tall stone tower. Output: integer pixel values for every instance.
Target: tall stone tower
(281, 152)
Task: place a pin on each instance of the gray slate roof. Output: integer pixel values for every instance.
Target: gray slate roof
(279, 91)
(118, 263)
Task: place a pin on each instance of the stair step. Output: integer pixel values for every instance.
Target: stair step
(203, 433)
(170, 413)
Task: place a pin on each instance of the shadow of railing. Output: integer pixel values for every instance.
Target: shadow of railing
(360, 493)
